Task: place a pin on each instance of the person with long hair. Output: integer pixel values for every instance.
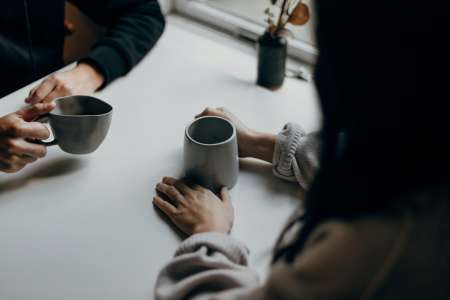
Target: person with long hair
(375, 222)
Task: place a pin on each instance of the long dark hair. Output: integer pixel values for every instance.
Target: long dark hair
(383, 81)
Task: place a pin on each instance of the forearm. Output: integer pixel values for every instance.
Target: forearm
(133, 28)
(259, 145)
(93, 78)
(293, 153)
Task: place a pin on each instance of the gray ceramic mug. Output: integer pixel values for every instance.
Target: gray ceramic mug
(211, 153)
(79, 123)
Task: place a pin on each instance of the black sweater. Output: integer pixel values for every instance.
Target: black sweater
(32, 37)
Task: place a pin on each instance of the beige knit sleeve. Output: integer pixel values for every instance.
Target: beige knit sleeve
(205, 266)
(296, 155)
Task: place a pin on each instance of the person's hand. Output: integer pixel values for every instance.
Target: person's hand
(251, 142)
(245, 135)
(82, 80)
(194, 209)
(16, 130)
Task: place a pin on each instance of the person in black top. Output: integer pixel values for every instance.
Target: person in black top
(32, 36)
(31, 46)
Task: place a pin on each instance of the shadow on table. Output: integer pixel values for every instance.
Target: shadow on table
(241, 81)
(274, 184)
(52, 168)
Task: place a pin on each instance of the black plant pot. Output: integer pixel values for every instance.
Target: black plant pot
(272, 53)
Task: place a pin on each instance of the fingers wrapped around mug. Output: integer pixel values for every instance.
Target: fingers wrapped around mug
(11, 163)
(21, 147)
(33, 112)
(16, 150)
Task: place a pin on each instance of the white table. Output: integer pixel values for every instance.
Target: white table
(83, 227)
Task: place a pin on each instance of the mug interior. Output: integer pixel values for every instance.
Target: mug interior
(210, 130)
(81, 106)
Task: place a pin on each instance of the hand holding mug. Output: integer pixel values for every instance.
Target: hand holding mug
(194, 209)
(79, 123)
(211, 153)
(251, 143)
(16, 131)
(244, 134)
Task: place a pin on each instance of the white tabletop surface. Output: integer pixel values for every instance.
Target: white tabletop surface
(83, 227)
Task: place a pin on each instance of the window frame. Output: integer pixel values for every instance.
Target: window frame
(239, 26)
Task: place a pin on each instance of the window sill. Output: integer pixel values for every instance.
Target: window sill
(239, 27)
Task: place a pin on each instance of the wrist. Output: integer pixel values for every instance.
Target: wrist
(202, 228)
(94, 78)
(260, 145)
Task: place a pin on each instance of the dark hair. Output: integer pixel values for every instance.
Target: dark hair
(382, 80)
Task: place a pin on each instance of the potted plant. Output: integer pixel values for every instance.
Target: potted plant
(272, 45)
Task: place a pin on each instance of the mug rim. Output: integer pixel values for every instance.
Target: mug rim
(233, 135)
(79, 116)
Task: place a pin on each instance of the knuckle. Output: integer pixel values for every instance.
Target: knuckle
(65, 87)
(14, 160)
(10, 144)
(172, 190)
(178, 213)
(40, 94)
(15, 146)
(12, 128)
(188, 193)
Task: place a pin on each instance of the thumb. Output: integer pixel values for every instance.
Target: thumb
(33, 112)
(209, 111)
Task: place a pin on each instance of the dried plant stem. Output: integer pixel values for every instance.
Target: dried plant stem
(280, 17)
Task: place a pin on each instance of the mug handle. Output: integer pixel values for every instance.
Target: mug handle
(44, 119)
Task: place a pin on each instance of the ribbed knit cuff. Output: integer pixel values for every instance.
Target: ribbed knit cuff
(223, 243)
(286, 145)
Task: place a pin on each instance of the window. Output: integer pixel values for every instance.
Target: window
(246, 18)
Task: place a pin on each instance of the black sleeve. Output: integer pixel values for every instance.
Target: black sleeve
(133, 28)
